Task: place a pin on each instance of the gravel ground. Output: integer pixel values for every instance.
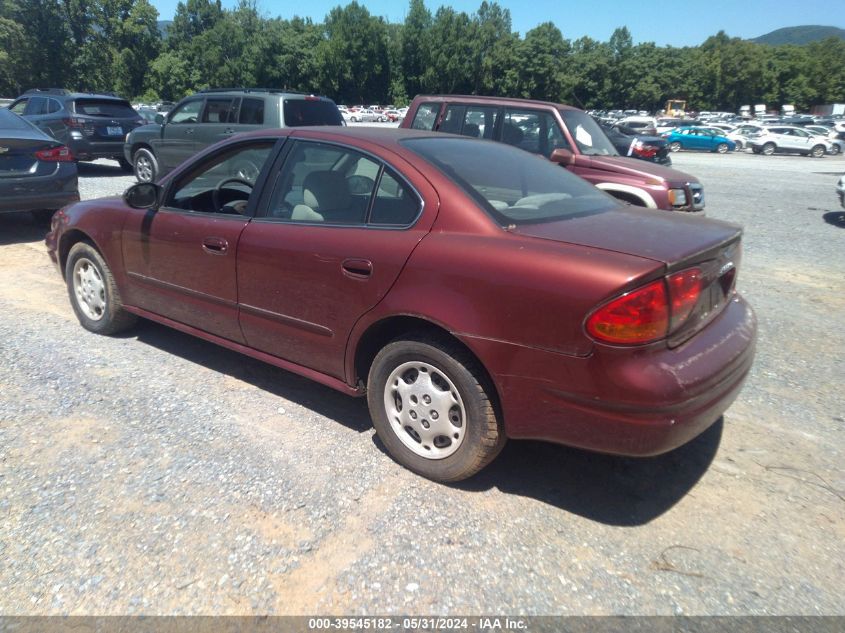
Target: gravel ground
(155, 473)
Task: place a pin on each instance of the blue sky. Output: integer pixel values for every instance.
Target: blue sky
(665, 22)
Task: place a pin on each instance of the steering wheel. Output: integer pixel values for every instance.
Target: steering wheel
(215, 194)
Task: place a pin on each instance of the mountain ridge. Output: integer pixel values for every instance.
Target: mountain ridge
(799, 35)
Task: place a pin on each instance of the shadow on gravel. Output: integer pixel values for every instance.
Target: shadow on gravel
(612, 490)
(18, 228)
(101, 170)
(351, 412)
(603, 488)
(836, 218)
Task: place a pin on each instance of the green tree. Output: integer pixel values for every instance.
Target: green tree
(353, 55)
(416, 47)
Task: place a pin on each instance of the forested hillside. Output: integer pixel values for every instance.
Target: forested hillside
(356, 57)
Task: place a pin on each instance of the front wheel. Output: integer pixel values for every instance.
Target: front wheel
(722, 148)
(739, 146)
(818, 151)
(433, 409)
(675, 146)
(834, 150)
(93, 292)
(146, 165)
(769, 149)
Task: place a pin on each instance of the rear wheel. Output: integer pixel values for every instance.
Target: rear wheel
(93, 292)
(722, 148)
(739, 146)
(146, 165)
(768, 149)
(818, 151)
(432, 407)
(675, 146)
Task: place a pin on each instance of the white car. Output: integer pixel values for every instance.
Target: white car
(788, 139)
(366, 114)
(837, 145)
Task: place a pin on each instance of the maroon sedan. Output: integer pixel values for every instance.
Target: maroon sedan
(470, 290)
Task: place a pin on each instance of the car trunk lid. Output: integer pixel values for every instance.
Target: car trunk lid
(18, 159)
(677, 241)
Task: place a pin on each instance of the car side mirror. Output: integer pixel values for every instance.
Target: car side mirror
(144, 195)
(562, 157)
(160, 119)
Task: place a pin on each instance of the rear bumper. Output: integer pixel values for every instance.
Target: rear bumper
(623, 401)
(45, 192)
(86, 149)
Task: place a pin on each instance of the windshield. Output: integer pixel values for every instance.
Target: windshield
(512, 186)
(588, 136)
(300, 112)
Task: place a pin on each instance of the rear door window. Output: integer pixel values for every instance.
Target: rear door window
(218, 110)
(299, 112)
(251, 112)
(480, 122)
(107, 108)
(426, 116)
(454, 119)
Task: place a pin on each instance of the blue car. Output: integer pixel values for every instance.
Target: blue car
(700, 138)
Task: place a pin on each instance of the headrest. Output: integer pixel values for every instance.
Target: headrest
(325, 190)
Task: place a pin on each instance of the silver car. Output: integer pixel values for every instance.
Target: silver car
(788, 139)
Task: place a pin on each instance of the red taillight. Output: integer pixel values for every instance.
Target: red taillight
(642, 149)
(641, 316)
(74, 122)
(684, 291)
(649, 313)
(55, 155)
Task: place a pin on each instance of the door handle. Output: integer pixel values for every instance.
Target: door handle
(357, 268)
(190, 130)
(215, 245)
(228, 130)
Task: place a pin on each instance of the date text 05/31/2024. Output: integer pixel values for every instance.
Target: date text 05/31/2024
(375, 623)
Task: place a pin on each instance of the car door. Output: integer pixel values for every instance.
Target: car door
(181, 259)
(178, 142)
(326, 246)
(217, 121)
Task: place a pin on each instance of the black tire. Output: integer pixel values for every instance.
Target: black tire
(483, 433)
(112, 318)
(834, 150)
(125, 165)
(768, 149)
(722, 148)
(674, 146)
(145, 165)
(42, 216)
(739, 146)
(756, 150)
(818, 151)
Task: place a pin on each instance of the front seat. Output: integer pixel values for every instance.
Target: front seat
(326, 193)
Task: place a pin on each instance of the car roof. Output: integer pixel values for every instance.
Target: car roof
(60, 93)
(258, 92)
(475, 99)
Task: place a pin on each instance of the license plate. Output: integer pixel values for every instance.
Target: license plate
(114, 131)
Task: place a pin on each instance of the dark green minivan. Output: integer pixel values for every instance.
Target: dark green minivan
(216, 114)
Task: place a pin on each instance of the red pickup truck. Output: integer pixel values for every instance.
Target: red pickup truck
(582, 147)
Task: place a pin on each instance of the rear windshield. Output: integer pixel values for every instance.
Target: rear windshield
(106, 108)
(513, 186)
(11, 121)
(300, 112)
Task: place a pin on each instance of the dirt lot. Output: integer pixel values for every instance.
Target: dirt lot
(154, 473)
